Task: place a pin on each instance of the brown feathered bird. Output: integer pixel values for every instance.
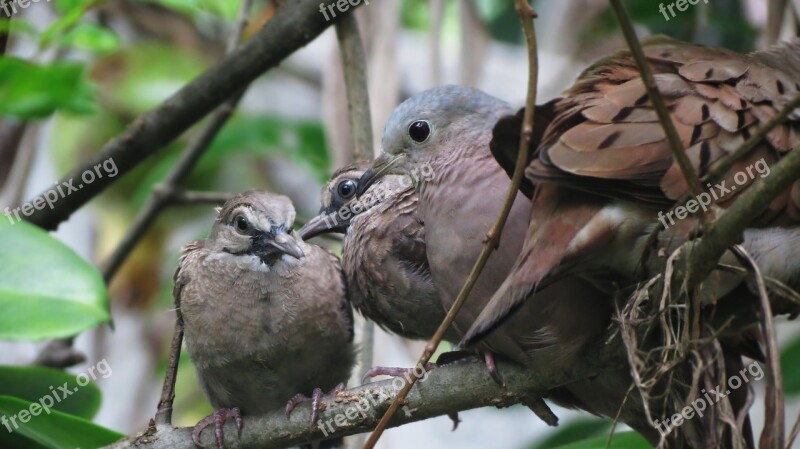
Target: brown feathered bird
(593, 222)
(266, 315)
(605, 179)
(383, 255)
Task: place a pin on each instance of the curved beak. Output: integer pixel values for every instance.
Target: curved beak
(270, 245)
(321, 224)
(381, 166)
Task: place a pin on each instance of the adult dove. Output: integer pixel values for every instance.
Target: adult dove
(603, 180)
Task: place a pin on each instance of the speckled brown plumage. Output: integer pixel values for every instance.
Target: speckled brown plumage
(261, 330)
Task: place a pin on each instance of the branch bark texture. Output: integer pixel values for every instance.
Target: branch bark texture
(444, 390)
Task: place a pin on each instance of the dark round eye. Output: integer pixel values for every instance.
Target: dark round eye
(419, 131)
(241, 224)
(346, 188)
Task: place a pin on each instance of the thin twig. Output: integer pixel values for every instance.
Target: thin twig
(14, 186)
(772, 435)
(164, 409)
(776, 10)
(294, 25)
(526, 14)
(655, 97)
(793, 434)
(354, 63)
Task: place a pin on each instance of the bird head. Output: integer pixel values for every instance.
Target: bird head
(340, 205)
(433, 125)
(258, 224)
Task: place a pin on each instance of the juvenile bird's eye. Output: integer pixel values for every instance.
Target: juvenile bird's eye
(346, 188)
(419, 131)
(241, 224)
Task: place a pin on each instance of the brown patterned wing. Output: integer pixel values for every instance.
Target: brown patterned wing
(606, 139)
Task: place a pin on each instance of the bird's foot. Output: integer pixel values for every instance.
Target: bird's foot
(491, 365)
(315, 399)
(218, 419)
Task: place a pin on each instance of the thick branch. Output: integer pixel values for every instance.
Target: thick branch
(294, 25)
(445, 390)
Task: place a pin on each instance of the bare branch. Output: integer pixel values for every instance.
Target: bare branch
(295, 25)
(445, 390)
(354, 63)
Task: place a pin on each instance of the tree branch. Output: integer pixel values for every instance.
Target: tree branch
(445, 390)
(295, 25)
(354, 63)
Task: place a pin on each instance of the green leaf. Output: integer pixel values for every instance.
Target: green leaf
(35, 384)
(46, 290)
(54, 430)
(29, 90)
(621, 440)
(90, 37)
(790, 366)
(575, 431)
(71, 13)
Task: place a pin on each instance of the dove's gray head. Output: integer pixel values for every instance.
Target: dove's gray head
(433, 124)
(440, 119)
(256, 223)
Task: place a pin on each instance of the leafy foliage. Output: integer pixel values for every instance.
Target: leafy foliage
(790, 367)
(46, 290)
(31, 90)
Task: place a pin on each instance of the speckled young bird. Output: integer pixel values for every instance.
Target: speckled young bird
(266, 315)
(384, 260)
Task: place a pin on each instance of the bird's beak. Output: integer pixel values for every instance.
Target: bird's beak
(381, 166)
(278, 243)
(321, 224)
